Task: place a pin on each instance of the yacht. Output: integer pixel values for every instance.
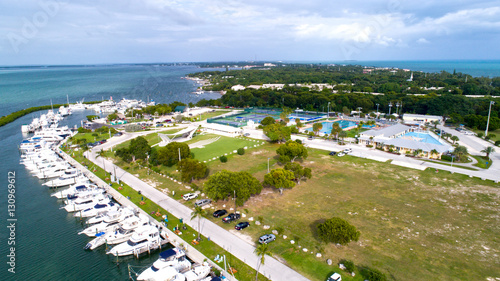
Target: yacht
(78, 190)
(172, 258)
(144, 238)
(111, 216)
(112, 220)
(55, 172)
(97, 209)
(197, 272)
(166, 274)
(63, 181)
(124, 231)
(83, 203)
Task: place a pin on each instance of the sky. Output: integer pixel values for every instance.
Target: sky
(144, 31)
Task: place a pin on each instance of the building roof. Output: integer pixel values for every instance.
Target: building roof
(180, 108)
(415, 145)
(421, 116)
(388, 131)
(220, 127)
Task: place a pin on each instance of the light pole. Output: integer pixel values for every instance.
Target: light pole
(377, 108)
(452, 157)
(390, 106)
(488, 122)
(328, 111)
(268, 165)
(397, 107)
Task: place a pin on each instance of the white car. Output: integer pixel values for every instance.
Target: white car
(340, 154)
(347, 150)
(189, 196)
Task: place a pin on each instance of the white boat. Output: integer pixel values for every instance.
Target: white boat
(167, 274)
(55, 172)
(174, 258)
(84, 203)
(97, 209)
(144, 238)
(77, 190)
(111, 223)
(63, 181)
(125, 230)
(197, 272)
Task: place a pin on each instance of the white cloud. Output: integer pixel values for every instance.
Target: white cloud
(423, 41)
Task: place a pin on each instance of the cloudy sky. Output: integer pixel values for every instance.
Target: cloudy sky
(132, 31)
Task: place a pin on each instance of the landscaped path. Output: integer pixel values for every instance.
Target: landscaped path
(272, 269)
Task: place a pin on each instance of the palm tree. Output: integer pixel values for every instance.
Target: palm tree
(336, 129)
(342, 135)
(488, 150)
(198, 213)
(460, 151)
(261, 252)
(454, 139)
(434, 152)
(101, 154)
(298, 123)
(435, 123)
(317, 127)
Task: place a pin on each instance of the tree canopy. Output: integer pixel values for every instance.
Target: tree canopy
(291, 150)
(337, 230)
(280, 178)
(267, 121)
(169, 154)
(277, 132)
(137, 149)
(299, 172)
(191, 169)
(224, 184)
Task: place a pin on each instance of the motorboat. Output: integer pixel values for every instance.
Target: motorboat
(97, 209)
(111, 222)
(166, 274)
(55, 172)
(197, 272)
(144, 238)
(125, 230)
(78, 190)
(117, 215)
(172, 258)
(63, 181)
(83, 203)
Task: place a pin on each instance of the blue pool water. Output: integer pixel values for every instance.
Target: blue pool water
(422, 137)
(327, 126)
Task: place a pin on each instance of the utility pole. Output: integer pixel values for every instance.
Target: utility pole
(488, 123)
(328, 111)
(179, 154)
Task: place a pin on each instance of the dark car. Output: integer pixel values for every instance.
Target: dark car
(118, 134)
(219, 213)
(231, 217)
(102, 141)
(242, 225)
(332, 153)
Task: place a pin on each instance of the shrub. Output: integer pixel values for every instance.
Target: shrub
(349, 265)
(369, 145)
(298, 141)
(223, 159)
(480, 135)
(497, 143)
(372, 274)
(95, 134)
(241, 151)
(337, 230)
(446, 158)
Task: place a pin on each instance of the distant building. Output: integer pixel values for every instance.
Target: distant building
(181, 109)
(238, 87)
(421, 119)
(269, 64)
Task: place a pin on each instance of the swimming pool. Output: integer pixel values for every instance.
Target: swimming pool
(421, 137)
(327, 126)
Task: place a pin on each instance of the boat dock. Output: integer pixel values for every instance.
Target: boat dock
(173, 238)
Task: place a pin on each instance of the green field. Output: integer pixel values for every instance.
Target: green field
(224, 145)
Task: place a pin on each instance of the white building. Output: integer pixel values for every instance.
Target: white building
(421, 119)
(222, 129)
(238, 87)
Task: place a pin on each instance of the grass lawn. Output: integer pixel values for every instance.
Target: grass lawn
(482, 161)
(415, 225)
(494, 135)
(224, 145)
(152, 138)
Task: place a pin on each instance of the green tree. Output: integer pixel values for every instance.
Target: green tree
(298, 123)
(101, 154)
(372, 274)
(241, 151)
(280, 178)
(317, 127)
(336, 129)
(112, 116)
(267, 121)
(169, 154)
(291, 150)
(198, 213)
(277, 132)
(261, 252)
(337, 230)
(460, 152)
(191, 169)
(454, 139)
(435, 123)
(299, 172)
(224, 184)
(139, 148)
(342, 135)
(488, 150)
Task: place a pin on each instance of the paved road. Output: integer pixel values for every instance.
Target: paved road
(272, 268)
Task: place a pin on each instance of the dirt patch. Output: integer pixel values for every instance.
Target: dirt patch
(246, 238)
(258, 152)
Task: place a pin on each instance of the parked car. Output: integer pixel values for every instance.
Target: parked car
(332, 153)
(335, 277)
(219, 213)
(231, 217)
(242, 225)
(118, 134)
(202, 202)
(340, 154)
(247, 134)
(189, 196)
(102, 141)
(347, 150)
(264, 239)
